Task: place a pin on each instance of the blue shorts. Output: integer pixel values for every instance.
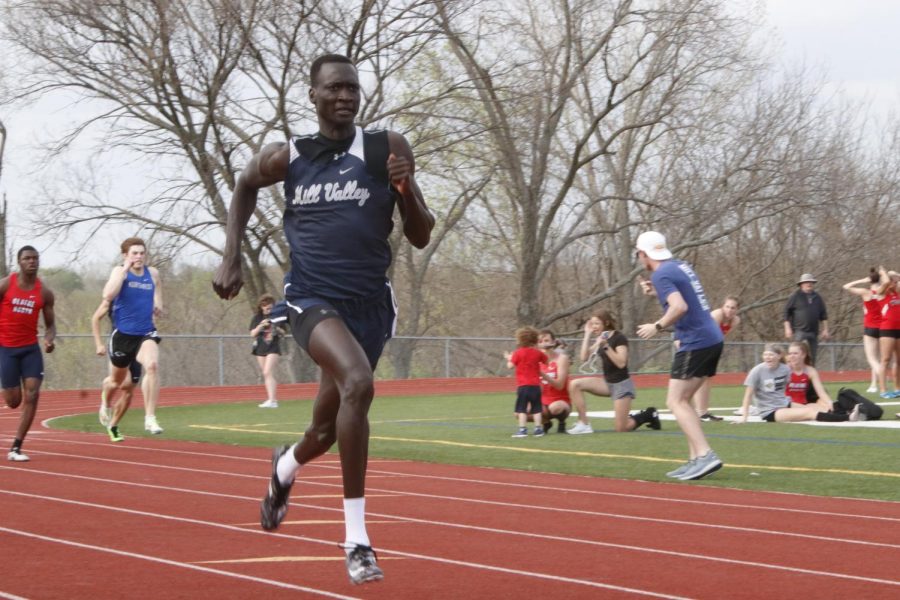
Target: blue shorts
(372, 321)
(16, 364)
(528, 399)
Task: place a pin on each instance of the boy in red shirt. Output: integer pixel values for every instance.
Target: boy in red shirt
(527, 361)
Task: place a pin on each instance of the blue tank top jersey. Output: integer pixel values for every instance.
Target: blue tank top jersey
(132, 310)
(696, 329)
(338, 215)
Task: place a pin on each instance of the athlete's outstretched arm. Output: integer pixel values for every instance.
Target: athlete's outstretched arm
(417, 219)
(268, 166)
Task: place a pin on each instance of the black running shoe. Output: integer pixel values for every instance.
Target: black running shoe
(362, 565)
(653, 422)
(274, 506)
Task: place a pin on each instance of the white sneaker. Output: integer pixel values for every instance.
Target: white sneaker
(269, 404)
(151, 425)
(17, 456)
(580, 428)
(872, 389)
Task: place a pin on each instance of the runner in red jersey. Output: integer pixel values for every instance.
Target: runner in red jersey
(889, 331)
(867, 289)
(22, 298)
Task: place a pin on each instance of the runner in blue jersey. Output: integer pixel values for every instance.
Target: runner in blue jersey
(699, 341)
(341, 186)
(134, 292)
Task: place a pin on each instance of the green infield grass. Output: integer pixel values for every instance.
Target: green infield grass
(860, 462)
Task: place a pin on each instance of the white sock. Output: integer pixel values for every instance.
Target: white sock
(355, 522)
(287, 467)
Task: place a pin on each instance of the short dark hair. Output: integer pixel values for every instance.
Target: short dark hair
(324, 59)
(25, 249)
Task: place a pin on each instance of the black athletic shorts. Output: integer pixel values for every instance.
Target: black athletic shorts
(889, 333)
(123, 348)
(872, 332)
(688, 364)
(371, 321)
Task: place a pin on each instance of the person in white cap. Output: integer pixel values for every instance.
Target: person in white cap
(805, 316)
(700, 343)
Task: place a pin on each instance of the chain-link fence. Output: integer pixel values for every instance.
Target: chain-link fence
(194, 360)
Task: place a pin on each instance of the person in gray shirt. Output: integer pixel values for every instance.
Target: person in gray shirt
(767, 384)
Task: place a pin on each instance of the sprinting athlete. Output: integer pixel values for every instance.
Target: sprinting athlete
(23, 297)
(109, 405)
(135, 293)
(341, 187)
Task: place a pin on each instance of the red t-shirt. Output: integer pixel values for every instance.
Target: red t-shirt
(528, 361)
(19, 314)
(797, 386)
(550, 394)
(872, 313)
(890, 311)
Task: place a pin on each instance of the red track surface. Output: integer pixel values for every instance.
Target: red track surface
(152, 518)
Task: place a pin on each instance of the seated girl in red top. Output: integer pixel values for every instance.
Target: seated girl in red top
(555, 378)
(804, 386)
(527, 361)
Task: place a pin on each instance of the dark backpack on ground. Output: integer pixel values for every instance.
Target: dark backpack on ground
(847, 399)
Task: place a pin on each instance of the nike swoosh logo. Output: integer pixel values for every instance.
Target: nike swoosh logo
(342, 171)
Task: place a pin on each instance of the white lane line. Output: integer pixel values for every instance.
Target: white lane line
(432, 558)
(174, 563)
(507, 504)
(445, 524)
(335, 464)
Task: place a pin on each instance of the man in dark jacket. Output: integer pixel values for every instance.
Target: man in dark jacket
(803, 313)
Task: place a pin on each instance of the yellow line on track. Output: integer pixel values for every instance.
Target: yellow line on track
(578, 453)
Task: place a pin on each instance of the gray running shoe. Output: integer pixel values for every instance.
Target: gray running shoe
(703, 466)
(362, 565)
(274, 506)
(681, 470)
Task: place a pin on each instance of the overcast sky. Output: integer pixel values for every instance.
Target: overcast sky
(854, 44)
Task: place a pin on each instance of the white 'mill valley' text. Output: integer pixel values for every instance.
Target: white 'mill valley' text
(333, 192)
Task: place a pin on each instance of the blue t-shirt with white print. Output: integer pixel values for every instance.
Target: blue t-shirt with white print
(696, 329)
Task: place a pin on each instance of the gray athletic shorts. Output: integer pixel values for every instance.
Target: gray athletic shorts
(620, 390)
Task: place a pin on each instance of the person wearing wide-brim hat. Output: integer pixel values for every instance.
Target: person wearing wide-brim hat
(805, 315)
